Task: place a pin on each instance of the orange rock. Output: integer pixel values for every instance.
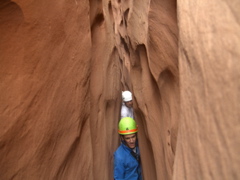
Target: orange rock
(63, 66)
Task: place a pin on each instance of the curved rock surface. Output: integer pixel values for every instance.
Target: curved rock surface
(64, 64)
(45, 58)
(209, 68)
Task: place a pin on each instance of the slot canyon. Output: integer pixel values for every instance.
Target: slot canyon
(64, 65)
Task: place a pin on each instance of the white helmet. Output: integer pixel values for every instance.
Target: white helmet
(126, 96)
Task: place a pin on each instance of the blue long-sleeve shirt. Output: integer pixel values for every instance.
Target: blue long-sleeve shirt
(126, 167)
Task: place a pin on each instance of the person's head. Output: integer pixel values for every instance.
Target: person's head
(127, 98)
(128, 129)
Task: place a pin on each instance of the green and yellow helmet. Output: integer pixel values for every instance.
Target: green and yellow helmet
(126, 126)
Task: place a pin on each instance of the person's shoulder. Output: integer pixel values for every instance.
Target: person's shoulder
(124, 106)
(124, 110)
(119, 153)
(119, 150)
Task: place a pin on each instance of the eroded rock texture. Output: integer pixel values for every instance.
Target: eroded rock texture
(140, 55)
(45, 53)
(209, 52)
(63, 65)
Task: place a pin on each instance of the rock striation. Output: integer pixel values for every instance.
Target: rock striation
(45, 56)
(64, 64)
(209, 51)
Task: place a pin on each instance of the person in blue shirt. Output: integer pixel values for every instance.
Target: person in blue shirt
(127, 164)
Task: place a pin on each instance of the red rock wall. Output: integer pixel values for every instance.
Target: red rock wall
(209, 51)
(105, 89)
(155, 84)
(64, 64)
(45, 53)
(131, 51)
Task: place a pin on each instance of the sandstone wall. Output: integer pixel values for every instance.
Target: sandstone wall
(209, 53)
(45, 53)
(131, 51)
(63, 65)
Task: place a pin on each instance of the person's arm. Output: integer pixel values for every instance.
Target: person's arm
(124, 112)
(118, 168)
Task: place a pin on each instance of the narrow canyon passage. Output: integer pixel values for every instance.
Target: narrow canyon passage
(64, 64)
(132, 52)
